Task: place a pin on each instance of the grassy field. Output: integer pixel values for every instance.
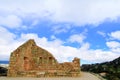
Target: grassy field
(84, 76)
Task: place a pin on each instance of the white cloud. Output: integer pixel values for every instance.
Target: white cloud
(11, 21)
(83, 12)
(101, 33)
(62, 53)
(78, 12)
(115, 35)
(6, 40)
(61, 28)
(56, 47)
(6, 36)
(102, 56)
(113, 44)
(53, 37)
(77, 38)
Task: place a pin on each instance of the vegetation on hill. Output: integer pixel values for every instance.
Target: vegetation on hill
(110, 69)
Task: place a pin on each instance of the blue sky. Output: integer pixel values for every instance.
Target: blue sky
(88, 29)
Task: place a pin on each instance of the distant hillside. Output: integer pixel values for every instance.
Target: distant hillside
(110, 69)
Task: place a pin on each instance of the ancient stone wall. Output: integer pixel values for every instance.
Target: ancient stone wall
(29, 60)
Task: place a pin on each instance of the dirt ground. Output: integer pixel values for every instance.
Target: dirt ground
(84, 76)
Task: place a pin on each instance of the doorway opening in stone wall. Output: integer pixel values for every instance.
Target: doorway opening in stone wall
(26, 63)
(50, 60)
(40, 60)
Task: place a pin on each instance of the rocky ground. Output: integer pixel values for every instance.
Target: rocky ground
(84, 76)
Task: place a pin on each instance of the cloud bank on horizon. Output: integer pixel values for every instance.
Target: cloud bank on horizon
(88, 29)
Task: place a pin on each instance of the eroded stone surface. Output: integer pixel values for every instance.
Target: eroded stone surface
(29, 60)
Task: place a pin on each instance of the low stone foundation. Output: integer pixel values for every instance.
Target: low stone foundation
(45, 74)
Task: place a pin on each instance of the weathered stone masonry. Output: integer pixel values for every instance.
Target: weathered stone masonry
(29, 60)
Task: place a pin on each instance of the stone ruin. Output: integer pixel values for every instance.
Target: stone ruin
(29, 60)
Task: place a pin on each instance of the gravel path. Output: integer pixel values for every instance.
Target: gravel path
(84, 76)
